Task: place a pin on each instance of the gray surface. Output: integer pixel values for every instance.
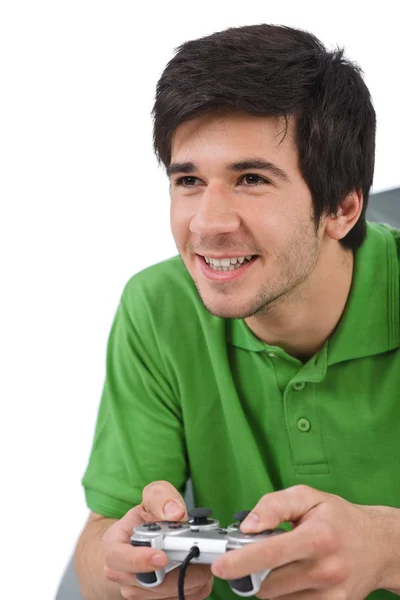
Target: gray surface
(383, 207)
(68, 589)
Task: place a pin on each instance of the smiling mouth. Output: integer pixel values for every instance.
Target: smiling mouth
(225, 269)
(226, 265)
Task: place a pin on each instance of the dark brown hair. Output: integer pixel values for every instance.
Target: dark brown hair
(272, 70)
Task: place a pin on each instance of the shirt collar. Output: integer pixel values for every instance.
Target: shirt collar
(370, 322)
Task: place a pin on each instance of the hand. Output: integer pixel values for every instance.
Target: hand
(335, 550)
(160, 501)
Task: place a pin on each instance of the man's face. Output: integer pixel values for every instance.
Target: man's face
(223, 209)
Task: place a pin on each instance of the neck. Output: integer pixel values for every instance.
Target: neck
(301, 321)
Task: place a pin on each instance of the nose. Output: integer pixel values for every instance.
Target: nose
(215, 212)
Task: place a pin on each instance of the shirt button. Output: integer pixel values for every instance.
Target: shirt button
(299, 385)
(303, 425)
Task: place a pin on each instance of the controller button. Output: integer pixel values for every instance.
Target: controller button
(147, 525)
(168, 522)
(241, 515)
(242, 585)
(146, 577)
(222, 531)
(140, 543)
(175, 526)
(154, 527)
(199, 516)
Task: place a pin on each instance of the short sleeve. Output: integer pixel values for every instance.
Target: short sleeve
(139, 434)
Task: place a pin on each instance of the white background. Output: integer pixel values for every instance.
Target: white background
(84, 206)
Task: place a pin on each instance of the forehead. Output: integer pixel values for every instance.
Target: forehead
(227, 135)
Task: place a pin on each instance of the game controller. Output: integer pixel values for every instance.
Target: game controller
(177, 539)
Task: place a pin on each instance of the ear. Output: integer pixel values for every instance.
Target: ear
(348, 213)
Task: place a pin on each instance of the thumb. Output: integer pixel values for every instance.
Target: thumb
(275, 508)
(162, 501)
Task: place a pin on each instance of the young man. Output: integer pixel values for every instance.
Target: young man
(262, 361)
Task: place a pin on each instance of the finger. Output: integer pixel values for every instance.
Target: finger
(198, 583)
(200, 594)
(163, 501)
(292, 546)
(200, 578)
(295, 577)
(155, 497)
(286, 505)
(327, 574)
(128, 559)
(196, 577)
(195, 591)
(305, 595)
(121, 530)
(127, 579)
(133, 593)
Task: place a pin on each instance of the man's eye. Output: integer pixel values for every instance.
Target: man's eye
(253, 179)
(187, 181)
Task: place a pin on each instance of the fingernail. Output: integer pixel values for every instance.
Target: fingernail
(172, 509)
(157, 560)
(251, 521)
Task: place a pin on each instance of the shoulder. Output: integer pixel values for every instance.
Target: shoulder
(162, 302)
(383, 229)
(161, 287)
(395, 235)
(380, 235)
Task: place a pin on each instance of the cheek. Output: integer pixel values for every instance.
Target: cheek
(269, 227)
(180, 226)
(182, 211)
(279, 225)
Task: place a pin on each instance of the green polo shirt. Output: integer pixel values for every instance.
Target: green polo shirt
(190, 393)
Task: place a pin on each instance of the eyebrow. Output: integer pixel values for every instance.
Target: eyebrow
(242, 165)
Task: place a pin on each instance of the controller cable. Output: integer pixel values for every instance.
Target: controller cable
(194, 553)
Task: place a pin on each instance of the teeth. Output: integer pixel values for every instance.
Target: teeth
(227, 264)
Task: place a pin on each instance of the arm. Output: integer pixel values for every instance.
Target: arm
(139, 435)
(138, 439)
(390, 520)
(89, 561)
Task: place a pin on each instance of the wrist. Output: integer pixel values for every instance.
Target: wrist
(387, 536)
